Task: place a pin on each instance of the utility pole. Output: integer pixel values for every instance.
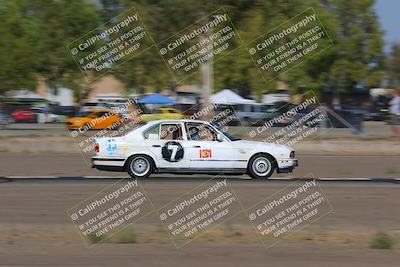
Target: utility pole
(207, 72)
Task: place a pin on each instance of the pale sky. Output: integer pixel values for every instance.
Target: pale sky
(388, 12)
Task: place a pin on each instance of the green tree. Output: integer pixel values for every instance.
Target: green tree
(162, 19)
(252, 20)
(359, 46)
(61, 22)
(18, 46)
(36, 34)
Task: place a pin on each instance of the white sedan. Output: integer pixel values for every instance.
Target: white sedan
(189, 146)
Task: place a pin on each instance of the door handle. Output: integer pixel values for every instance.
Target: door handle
(197, 146)
(156, 146)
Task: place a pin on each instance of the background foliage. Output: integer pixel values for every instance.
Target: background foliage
(35, 35)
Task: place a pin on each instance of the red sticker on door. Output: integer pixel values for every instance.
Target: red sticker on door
(205, 153)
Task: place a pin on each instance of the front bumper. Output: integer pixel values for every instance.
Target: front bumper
(287, 165)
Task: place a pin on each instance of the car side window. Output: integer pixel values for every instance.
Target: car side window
(200, 132)
(99, 114)
(152, 132)
(171, 131)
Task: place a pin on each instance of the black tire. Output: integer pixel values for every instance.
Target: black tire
(144, 166)
(261, 166)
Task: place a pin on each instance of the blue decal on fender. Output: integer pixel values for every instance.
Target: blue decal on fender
(111, 146)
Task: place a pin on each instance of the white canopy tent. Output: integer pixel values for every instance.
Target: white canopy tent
(229, 97)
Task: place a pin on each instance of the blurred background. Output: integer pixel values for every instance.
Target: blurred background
(38, 74)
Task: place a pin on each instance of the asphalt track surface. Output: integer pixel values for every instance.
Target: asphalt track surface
(74, 165)
(35, 231)
(189, 180)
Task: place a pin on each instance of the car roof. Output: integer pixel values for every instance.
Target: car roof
(181, 120)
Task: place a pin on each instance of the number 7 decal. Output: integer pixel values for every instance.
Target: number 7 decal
(174, 149)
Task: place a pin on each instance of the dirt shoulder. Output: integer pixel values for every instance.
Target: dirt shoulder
(35, 230)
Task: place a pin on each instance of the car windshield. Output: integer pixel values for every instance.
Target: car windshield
(84, 114)
(230, 137)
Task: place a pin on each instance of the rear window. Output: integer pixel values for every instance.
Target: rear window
(152, 132)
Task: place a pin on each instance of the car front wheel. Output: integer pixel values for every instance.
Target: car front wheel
(261, 166)
(140, 166)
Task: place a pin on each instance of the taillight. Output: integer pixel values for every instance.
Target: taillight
(97, 148)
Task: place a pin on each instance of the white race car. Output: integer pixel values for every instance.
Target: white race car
(189, 146)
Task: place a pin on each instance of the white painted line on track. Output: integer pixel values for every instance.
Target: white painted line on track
(271, 179)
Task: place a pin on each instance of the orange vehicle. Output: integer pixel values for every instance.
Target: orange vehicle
(98, 120)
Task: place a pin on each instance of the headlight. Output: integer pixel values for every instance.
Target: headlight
(292, 154)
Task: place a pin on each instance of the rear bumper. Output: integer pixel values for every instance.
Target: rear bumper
(108, 168)
(108, 164)
(286, 166)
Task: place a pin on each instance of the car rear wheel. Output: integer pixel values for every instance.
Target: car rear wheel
(261, 166)
(140, 166)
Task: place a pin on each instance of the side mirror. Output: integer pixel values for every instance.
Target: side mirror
(220, 137)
